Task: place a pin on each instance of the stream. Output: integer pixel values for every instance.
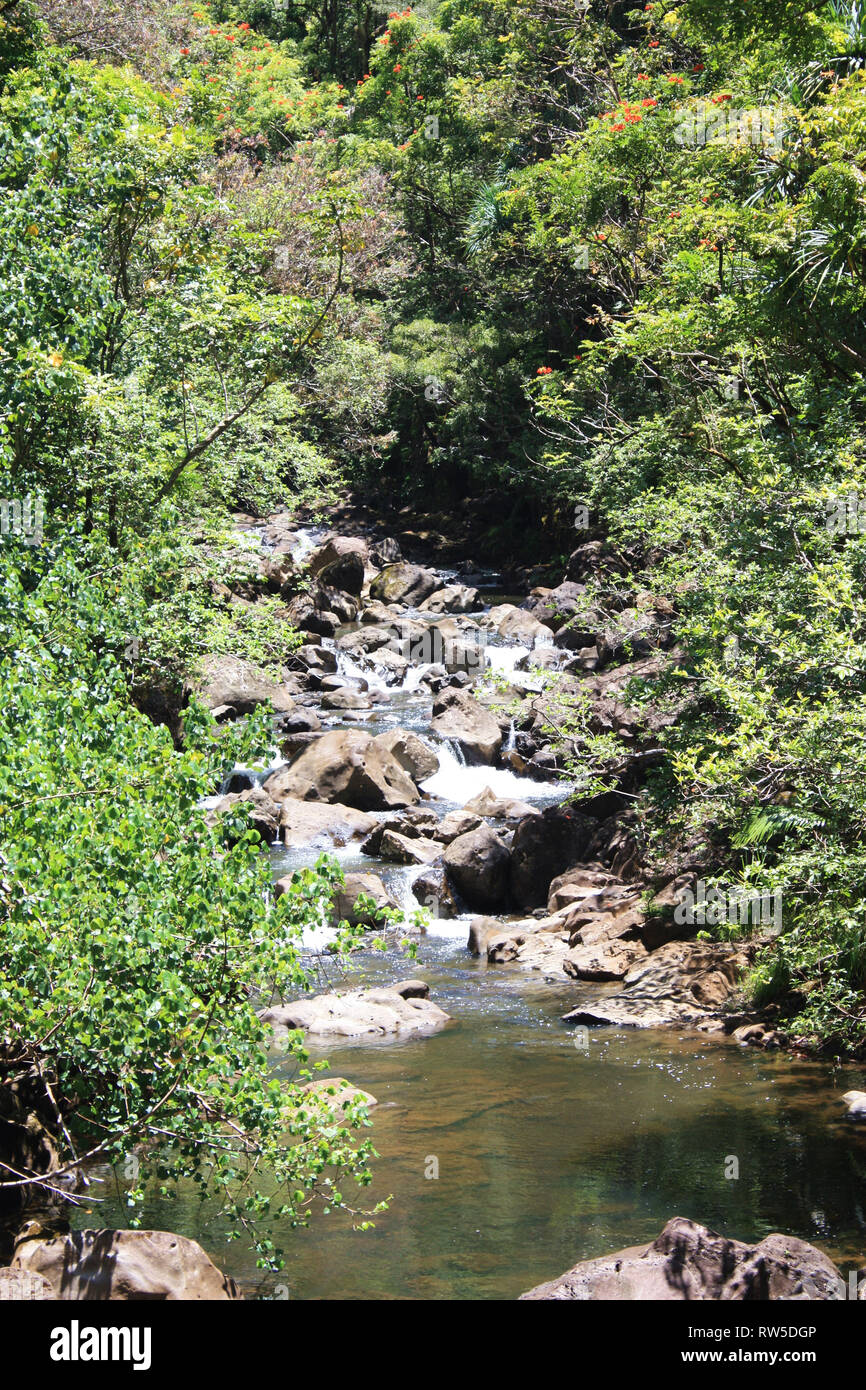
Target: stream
(510, 1152)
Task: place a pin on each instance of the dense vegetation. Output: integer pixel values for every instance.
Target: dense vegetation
(536, 252)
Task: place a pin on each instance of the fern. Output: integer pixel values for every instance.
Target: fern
(769, 821)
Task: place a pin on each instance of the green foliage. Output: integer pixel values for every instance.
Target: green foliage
(136, 939)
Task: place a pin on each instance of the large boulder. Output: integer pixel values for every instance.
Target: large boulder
(381, 1013)
(229, 682)
(460, 718)
(413, 755)
(477, 864)
(123, 1265)
(317, 825)
(689, 1263)
(348, 766)
(404, 583)
(543, 847)
(340, 563)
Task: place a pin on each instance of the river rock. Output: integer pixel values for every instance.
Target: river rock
(124, 1265)
(380, 614)
(435, 893)
(459, 717)
(403, 849)
(454, 598)
(380, 1013)
(856, 1103)
(340, 563)
(482, 930)
(684, 983)
(349, 767)
(355, 886)
(411, 752)
(758, 1035)
(317, 825)
(230, 682)
(534, 944)
(553, 607)
(456, 823)
(264, 813)
(493, 807)
(305, 613)
(596, 886)
(404, 583)
(477, 863)
(347, 697)
(544, 847)
(688, 1262)
(608, 960)
(522, 627)
(311, 658)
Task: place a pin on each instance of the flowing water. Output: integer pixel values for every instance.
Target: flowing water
(509, 1152)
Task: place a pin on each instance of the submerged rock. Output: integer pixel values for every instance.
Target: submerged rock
(689, 1263)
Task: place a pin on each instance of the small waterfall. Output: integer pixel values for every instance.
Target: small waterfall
(350, 669)
(504, 659)
(252, 776)
(511, 742)
(308, 540)
(414, 676)
(458, 782)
